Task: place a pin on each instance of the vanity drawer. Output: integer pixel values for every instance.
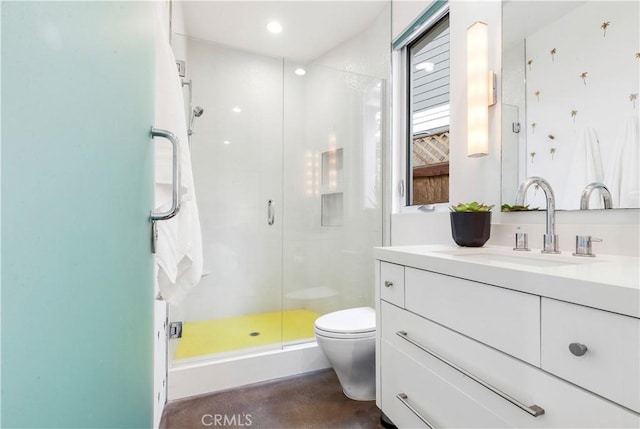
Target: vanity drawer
(501, 318)
(410, 389)
(433, 387)
(392, 283)
(611, 364)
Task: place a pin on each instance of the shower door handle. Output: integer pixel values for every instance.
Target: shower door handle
(175, 185)
(270, 212)
(175, 189)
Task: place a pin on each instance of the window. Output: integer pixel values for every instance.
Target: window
(427, 65)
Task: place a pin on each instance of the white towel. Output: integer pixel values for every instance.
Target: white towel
(622, 178)
(586, 167)
(179, 248)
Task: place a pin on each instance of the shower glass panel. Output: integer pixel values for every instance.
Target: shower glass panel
(237, 166)
(332, 163)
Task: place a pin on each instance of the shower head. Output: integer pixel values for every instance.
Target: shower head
(195, 113)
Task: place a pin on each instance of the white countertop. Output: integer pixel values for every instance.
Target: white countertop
(605, 282)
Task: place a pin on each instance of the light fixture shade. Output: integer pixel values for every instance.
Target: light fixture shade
(477, 90)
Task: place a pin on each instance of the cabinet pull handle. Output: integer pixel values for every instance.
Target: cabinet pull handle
(577, 349)
(403, 398)
(533, 410)
(388, 284)
(270, 212)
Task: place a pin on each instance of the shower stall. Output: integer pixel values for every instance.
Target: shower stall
(287, 163)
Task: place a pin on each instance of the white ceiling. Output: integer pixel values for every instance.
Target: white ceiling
(311, 28)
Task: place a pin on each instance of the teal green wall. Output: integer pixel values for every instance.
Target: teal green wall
(77, 106)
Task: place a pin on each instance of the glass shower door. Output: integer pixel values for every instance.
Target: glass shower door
(237, 165)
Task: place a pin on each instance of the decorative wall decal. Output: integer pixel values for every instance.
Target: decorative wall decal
(604, 28)
(583, 76)
(537, 94)
(533, 128)
(532, 155)
(573, 115)
(553, 52)
(633, 98)
(552, 151)
(638, 55)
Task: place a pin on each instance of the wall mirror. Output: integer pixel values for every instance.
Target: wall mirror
(570, 103)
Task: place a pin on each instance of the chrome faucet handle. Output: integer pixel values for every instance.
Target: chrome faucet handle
(584, 245)
(522, 242)
(550, 243)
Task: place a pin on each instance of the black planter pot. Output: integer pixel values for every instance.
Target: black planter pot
(470, 229)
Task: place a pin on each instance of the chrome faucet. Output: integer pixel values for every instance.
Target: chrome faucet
(550, 237)
(586, 194)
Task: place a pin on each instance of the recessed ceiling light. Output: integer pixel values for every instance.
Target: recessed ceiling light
(236, 109)
(426, 66)
(274, 27)
(226, 142)
(300, 71)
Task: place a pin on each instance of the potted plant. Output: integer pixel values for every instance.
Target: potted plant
(471, 224)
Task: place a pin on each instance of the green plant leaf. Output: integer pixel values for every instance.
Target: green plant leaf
(473, 206)
(516, 208)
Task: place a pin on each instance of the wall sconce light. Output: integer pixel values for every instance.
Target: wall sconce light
(480, 90)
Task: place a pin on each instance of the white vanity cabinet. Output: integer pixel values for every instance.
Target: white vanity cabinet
(605, 355)
(498, 317)
(453, 352)
(392, 283)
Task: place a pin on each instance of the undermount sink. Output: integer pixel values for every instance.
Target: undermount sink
(487, 255)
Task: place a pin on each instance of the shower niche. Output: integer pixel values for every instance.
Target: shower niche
(332, 195)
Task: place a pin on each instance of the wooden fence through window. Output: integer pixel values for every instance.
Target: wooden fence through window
(431, 169)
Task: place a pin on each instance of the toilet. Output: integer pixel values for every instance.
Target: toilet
(348, 340)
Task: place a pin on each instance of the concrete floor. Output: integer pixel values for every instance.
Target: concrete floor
(310, 401)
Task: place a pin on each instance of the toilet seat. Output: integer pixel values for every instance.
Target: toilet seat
(347, 324)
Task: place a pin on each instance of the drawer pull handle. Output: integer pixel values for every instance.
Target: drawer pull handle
(403, 398)
(577, 349)
(533, 410)
(388, 284)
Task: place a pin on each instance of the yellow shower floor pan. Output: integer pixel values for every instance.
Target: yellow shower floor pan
(254, 330)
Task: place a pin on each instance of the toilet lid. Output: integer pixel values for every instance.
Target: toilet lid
(351, 321)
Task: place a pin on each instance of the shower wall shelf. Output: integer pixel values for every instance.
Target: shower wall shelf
(331, 191)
